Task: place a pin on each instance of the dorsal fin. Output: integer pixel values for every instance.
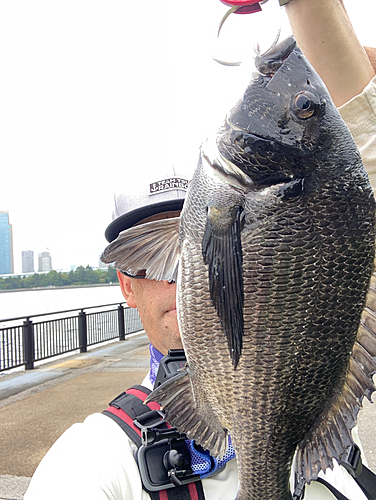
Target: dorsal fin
(332, 433)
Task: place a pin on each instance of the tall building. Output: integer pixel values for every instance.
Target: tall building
(6, 245)
(44, 262)
(102, 265)
(27, 261)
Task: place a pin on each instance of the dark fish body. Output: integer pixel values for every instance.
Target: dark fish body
(306, 223)
(276, 249)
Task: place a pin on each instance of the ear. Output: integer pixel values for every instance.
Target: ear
(127, 290)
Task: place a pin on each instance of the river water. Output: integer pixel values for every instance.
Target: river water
(30, 302)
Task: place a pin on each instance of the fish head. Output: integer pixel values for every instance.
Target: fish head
(285, 116)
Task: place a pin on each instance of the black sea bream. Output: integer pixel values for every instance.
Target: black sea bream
(275, 247)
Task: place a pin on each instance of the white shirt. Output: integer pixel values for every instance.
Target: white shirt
(360, 117)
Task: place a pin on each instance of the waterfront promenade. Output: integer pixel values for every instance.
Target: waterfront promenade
(37, 406)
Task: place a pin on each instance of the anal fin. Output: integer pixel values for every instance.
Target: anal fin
(181, 411)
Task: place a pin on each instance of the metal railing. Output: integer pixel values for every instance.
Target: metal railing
(25, 340)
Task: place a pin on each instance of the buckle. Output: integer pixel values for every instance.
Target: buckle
(154, 428)
(163, 458)
(352, 461)
(149, 419)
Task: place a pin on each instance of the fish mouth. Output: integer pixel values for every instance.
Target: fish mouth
(270, 62)
(267, 65)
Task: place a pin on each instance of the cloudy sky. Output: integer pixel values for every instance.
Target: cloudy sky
(92, 92)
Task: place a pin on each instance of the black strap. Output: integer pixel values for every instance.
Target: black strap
(352, 462)
(331, 488)
(367, 483)
(135, 418)
(126, 407)
(366, 480)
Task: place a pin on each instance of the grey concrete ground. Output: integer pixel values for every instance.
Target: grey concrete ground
(37, 406)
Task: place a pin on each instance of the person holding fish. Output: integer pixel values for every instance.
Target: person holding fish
(265, 360)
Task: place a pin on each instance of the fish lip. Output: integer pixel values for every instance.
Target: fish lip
(274, 58)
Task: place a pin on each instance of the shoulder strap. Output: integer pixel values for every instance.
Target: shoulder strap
(367, 482)
(129, 405)
(352, 462)
(138, 421)
(191, 491)
(365, 479)
(331, 488)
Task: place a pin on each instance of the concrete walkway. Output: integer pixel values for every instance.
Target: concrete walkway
(37, 406)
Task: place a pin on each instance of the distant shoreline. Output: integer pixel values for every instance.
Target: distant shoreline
(43, 288)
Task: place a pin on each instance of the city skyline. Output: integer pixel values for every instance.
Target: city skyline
(127, 91)
(7, 256)
(44, 260)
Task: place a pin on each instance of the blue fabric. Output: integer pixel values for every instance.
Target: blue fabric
(205, 465)
(155, 359)
(201, 461)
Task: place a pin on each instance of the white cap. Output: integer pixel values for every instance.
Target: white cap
(147, 195)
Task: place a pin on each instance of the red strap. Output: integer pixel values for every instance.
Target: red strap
(193, 491)
(126, 418)
(141, 395)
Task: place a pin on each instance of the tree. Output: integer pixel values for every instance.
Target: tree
(81, 276)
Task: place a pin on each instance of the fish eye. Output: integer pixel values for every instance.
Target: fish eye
(303, 105)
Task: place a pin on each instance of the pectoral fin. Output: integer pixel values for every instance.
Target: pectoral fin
(181, 411)
(222, 252)
(152, 246)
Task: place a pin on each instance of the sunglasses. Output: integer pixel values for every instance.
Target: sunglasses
(140, 275)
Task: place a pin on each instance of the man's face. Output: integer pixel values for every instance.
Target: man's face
(156, 304)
